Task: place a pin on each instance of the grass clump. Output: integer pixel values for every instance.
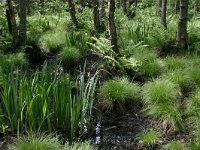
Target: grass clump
(160, 91)
(150, 65)
(174, 145)
(80, 146)
(160, 100)
(115, 93)
(52, 42)
(149, 137)
(193, 104)
(16, 59)
(174, 63)
(36, 142)
(69, 56)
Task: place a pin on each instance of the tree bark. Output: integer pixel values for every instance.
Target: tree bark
(72, 13)
(13, 23)
(181, 37)
(163, 13)
(23, 15)
(111, 25)
(96, 16)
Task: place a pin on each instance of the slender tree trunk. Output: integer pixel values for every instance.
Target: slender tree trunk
(163, 13)
(102, 14)
(9, 21)
(72, 13)
(96, 16)
(13, 23)
(23, 15)
(181, 37)
(111, 25)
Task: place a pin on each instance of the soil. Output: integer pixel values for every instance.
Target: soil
(120, 131)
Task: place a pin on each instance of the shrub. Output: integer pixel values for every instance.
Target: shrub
(149, 137)
(160, 91)
(174, 145)
(69, 56)
(115, 93)
(36, 142)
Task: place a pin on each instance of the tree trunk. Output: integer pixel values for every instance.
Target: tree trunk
(72, 13)
(22, 29)
(163, 13)
(97, 25)
(111, 25)
(197, 6)
(102, 14)
(181, 37)
(13, 23)
(9, 21)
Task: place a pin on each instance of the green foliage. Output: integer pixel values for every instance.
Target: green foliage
(52, 42)
(174, 63)
(115, 93)
(12, 60)
(80, 146)
(69, 56)
(193, 75)
(160, 91)
(45, 101)
(149, 137)
(161, 102)
(174, 145)
(193, 104)
(78, 39)
(36, 142)
(46, 142)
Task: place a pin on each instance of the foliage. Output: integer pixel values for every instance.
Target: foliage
(46, 142)
(52, 42)
(174, 63)
(80, 146)
(36, 142)
(160, 91)
(114, 94)
(174, 145)
(149, 137)
(12, 60)
(161, 102)
(44, 101)
(69, 56)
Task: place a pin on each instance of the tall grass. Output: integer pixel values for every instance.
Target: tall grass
(45, 101)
